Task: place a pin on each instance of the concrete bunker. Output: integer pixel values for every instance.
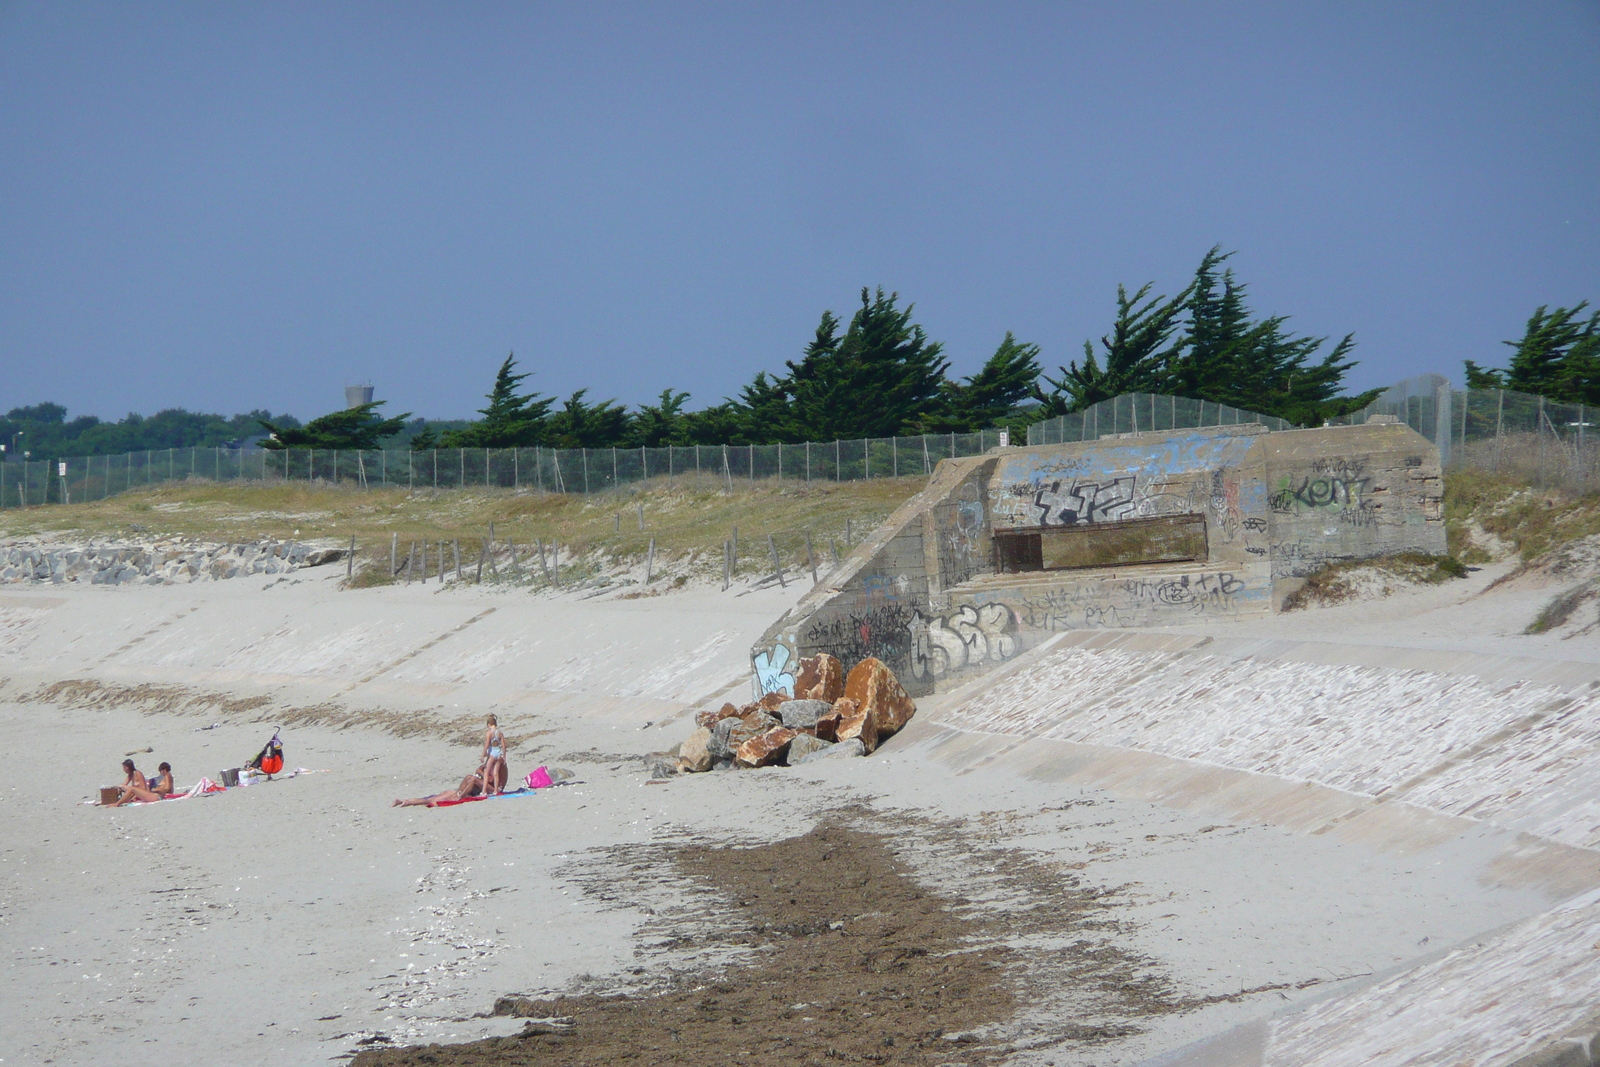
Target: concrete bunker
(1002, 550)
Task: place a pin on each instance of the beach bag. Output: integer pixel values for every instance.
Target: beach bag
(538, 778)
(270, 759)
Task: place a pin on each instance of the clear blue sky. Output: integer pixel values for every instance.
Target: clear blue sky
(229, 206)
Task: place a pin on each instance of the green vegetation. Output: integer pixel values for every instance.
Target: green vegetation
(1338, 582)
(877, 376)
(687, 517)
(45, 431)
(353, 428)
(1532, 521)
(1204, 344)
(1557, 358)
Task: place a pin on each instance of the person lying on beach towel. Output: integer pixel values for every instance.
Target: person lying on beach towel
(470, 786)
(136, 787)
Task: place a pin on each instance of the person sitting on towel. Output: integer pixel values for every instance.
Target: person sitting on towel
(470, 786)
(135, 787)
(162, 787)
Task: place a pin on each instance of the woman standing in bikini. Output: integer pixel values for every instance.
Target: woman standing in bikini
(494, 759)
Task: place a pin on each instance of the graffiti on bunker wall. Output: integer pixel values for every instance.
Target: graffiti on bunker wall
(961, 537)
(967, 638)
(882, 632)
(771, 675)
(1084, 503)
(1131, 601)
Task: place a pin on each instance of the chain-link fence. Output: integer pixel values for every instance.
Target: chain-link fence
(1525, 436)
(1141, 412)
(1544, 442)
(578, 470)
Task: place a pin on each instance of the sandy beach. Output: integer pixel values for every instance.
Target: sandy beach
(304, 920)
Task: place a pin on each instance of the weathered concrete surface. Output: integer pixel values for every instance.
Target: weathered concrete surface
(927, 596)
(1486, 763)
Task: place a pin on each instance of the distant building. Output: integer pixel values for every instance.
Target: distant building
(356, 395)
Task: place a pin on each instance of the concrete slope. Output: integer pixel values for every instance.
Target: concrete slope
(403, 647)
(1489, 762)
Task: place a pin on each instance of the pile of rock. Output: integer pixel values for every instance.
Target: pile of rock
(828, 716)
(159, 563)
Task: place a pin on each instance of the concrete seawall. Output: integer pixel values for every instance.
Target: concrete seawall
(1484, 764)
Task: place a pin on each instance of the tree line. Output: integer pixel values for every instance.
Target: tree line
(879, 375)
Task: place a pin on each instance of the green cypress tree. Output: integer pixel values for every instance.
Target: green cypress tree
(353, 428)
(1558, 357)
(512, 419)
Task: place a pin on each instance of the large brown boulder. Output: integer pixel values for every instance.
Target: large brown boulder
(709, 719)
(769, 748)
(695, 753)
(821, 677)
(803, 746)
(803, 714)
(856, 723)
(873, 687)
(729, 734)
(770, 701)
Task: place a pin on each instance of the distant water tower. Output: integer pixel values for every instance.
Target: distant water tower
(356, 395)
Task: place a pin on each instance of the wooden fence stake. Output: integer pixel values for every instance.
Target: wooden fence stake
(350, 560)
(394, 551)
(734, 552)
(516, 564)
(812, 556)
(641, 518)
(777, 568)
(411, 561)
(456, 544)
(834, 546)
(483, 554)
(543, 567)
(650, 558)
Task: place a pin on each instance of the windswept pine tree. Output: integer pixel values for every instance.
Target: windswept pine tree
(357, 428)
(512, 419)
(1558, 357)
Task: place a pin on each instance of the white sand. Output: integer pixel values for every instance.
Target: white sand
(283, 923)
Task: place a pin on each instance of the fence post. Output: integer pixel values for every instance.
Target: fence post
(456, 544)
(894, 451)
(752, 462)
(812, 557)
(1539, 428)
(735, 551)
(777, 568)
(411, 562)
(836, 465)
(613, 466)
(586, 472)
(1499, 420)
(808, 462)
(394, 552)
(350, 560)
(641, 518)
(543, 567)
(650, 561)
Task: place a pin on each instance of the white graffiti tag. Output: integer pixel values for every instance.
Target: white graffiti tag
(770, 676)
(967, 638)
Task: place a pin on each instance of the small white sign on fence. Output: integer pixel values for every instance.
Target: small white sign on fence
(61, 468)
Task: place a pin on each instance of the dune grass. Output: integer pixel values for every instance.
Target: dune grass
(685, 515)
